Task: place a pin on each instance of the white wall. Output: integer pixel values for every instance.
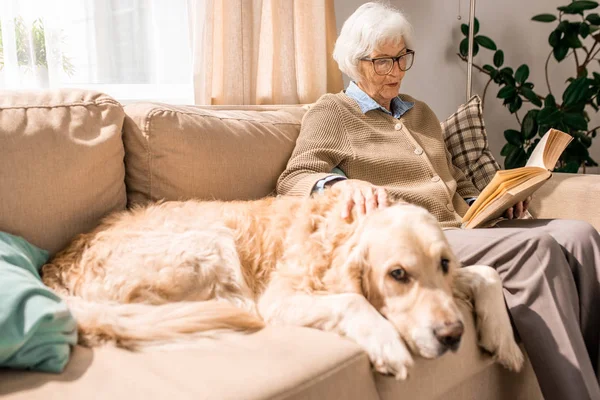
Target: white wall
(438, 76)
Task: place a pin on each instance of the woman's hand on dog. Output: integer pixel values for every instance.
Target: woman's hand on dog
(363, 195)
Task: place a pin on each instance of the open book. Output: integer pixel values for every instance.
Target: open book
(508, 187)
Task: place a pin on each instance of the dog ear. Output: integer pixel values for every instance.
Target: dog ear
(358, 268)
(350, 264)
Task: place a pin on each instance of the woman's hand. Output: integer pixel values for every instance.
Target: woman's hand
(363, 195)
(518, 210)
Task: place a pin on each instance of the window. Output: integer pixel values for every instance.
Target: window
(130, 49)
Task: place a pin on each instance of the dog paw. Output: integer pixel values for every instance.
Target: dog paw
(493, 322)
(511, 356)
(388, 354)
(499, 341)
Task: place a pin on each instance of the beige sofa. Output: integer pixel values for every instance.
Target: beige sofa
(71, 157)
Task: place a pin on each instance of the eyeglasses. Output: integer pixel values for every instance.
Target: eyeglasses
(384, 65)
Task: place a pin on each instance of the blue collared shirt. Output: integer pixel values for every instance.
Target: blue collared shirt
(366, 103)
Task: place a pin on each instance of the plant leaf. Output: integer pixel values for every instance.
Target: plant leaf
(577, 149)
(464, 47)
(489, 68)
(550, 102)
(573, 41)
(531, 96)
(549, 116)
(506, 149)
(530, 126)
(562, 27)
(507, 75)
(584, 30)
(544, 18)
(575, 121)
(554, 38)
(516, 158)
(464, 28)
(584, 139)
(513, 137)
(561, 51)
(576, 91)
(507, 92)
(578, 7)
(486, 42)
(522, 74)
(593, 19)
(516, 105)
(498, 58)
(507, 71)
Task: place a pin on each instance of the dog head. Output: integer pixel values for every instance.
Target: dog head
(406, 267)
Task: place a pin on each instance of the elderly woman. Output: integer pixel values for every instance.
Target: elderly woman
(391, 144)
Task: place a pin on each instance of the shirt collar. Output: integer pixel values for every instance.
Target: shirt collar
(366, 103)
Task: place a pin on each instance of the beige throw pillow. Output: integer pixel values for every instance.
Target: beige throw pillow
(466, 139)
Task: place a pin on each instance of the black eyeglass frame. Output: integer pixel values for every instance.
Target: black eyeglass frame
(394, 61)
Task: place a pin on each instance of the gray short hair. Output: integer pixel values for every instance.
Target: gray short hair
(369, 26)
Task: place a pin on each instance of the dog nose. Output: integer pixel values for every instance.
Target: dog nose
(449, 334)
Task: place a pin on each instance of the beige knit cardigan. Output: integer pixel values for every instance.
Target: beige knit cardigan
(407, 156)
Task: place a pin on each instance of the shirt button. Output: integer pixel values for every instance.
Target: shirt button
(418, 151)
(398, 126)
(449, 207)
(435, 179)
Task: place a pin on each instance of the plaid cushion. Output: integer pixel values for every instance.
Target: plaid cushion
(466, 139)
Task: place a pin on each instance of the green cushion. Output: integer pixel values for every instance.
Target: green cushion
(36, 327)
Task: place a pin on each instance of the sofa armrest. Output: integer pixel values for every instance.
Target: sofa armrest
(568, 196)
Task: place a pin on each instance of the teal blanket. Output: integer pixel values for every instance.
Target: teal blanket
(36, 328)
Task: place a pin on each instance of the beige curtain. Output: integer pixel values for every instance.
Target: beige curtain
(263, 51)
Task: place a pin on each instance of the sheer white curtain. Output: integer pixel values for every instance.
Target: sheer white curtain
(130, 49)
(263, 51)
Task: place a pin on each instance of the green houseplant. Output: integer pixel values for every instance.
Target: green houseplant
(573, 36)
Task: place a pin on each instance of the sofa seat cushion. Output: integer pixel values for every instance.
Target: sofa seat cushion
(61, 163)
(184, 152)
(275, 363)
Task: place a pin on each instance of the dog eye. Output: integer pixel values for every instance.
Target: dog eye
(400, 275)
(445, 265)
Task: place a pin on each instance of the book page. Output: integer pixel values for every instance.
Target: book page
(507, 186)
(511, 186)
(548, 150)
(491, 190)
(508, 199)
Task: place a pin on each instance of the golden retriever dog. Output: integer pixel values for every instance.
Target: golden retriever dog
(172, 271)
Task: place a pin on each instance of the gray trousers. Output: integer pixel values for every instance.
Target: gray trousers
(551, 277)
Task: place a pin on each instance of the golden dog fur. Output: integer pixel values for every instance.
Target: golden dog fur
(171, 271)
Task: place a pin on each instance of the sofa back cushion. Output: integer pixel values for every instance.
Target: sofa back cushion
(61, 163)
(238, 152)
(223, 153)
